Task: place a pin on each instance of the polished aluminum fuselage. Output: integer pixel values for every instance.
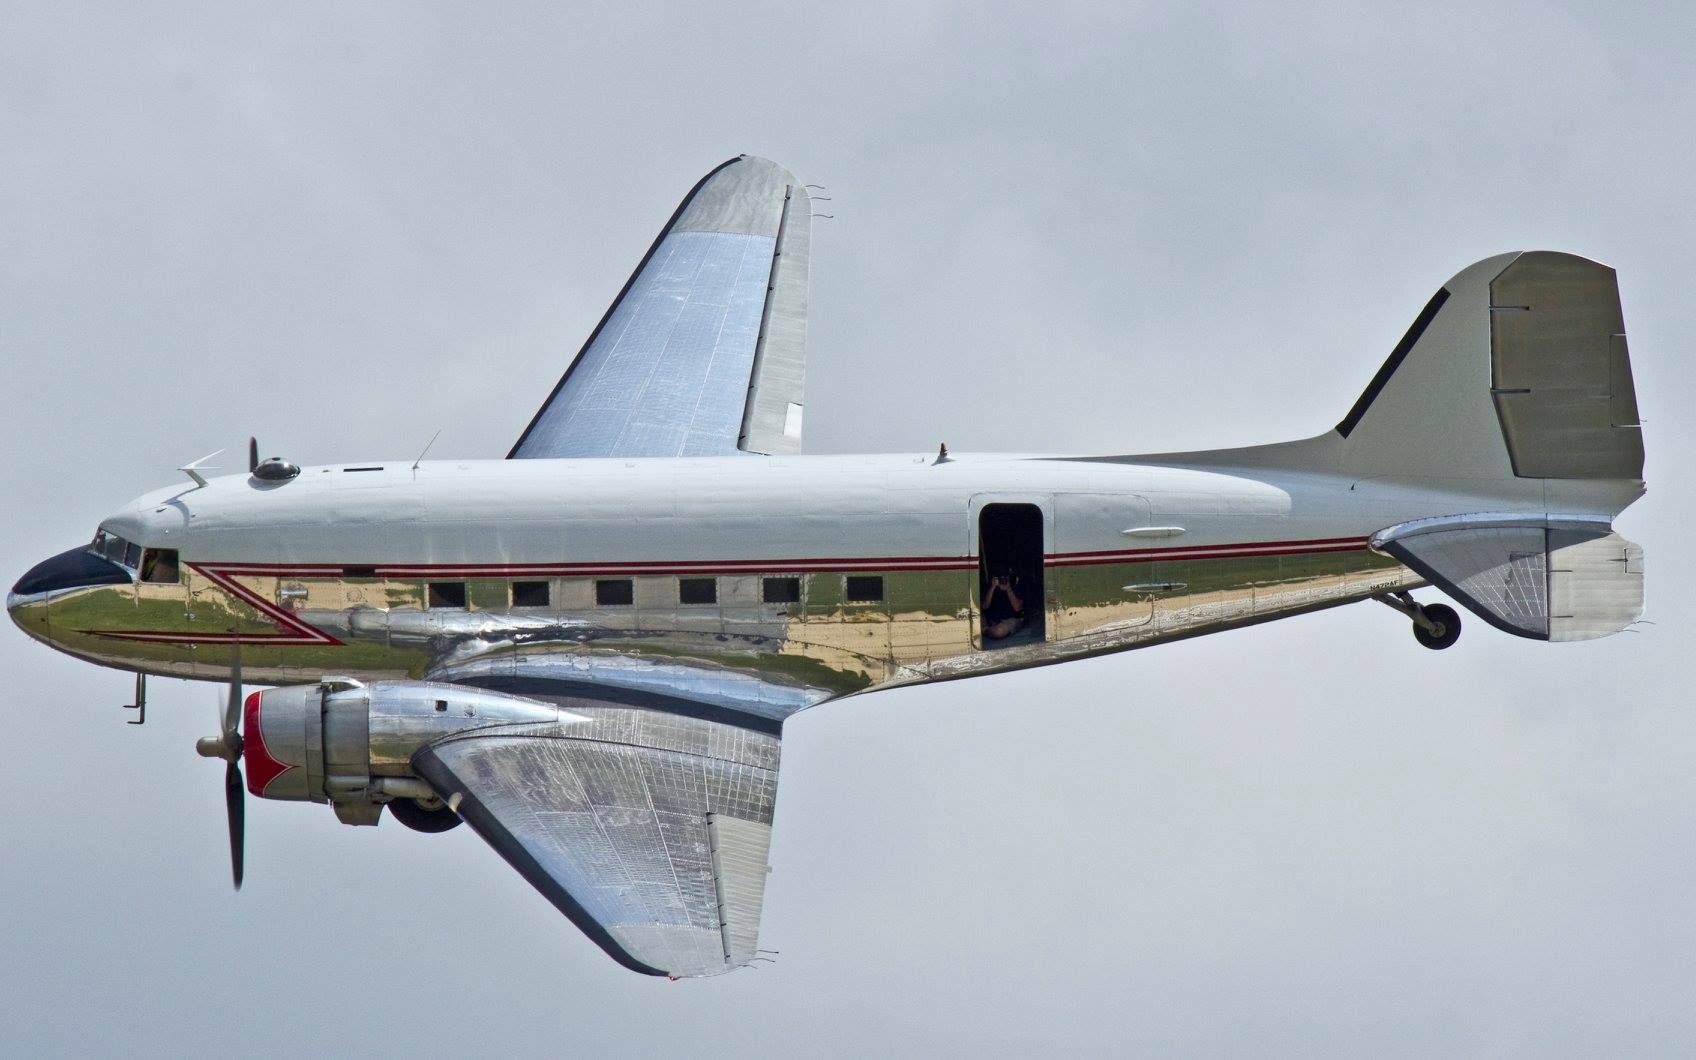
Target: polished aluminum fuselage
(330, 572)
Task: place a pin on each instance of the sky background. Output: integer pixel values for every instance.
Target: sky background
(1117, 227)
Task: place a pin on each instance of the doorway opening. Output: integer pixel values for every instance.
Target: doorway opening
(1011, 603)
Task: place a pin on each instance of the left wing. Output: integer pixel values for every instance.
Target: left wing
(703, 353)
(648, 829)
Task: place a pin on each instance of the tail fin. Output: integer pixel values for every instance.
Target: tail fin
(1509, 407)
(1516, 369)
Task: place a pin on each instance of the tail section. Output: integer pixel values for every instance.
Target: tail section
(1506, 418)
(1517, 369)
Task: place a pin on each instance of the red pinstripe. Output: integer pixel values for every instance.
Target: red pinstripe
(292, 631)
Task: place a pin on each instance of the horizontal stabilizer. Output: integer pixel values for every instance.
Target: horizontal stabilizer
(1546, 577)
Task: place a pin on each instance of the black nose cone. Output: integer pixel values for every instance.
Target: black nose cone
(70, 570)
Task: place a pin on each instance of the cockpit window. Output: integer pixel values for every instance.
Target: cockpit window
(110, 546)
(154, 564)
(159, 565)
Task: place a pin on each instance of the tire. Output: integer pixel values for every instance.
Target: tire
(417, 818)
(1448, 631)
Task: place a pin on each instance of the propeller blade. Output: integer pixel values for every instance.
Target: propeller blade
(232, 709)
(234, 791)
(252, 455)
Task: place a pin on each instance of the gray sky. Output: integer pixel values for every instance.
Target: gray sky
(1146, 226)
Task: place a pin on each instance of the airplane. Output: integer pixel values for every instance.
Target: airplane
(588, 650)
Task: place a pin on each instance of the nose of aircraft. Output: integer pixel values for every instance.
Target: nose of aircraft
(72, 569)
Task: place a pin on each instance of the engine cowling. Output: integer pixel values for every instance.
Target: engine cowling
(351, 744)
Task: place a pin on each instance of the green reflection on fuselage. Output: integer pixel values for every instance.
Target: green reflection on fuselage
(926, 625)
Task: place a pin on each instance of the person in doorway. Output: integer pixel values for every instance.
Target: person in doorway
(1003, 607)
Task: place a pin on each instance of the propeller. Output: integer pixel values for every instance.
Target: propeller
(227, 745)
(252, 455)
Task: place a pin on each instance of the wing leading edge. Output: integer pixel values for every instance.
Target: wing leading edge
(649, 830)
(703, 353)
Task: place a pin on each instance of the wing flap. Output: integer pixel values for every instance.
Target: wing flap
(740, 849)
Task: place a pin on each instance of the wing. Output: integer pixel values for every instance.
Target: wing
(703, 353)
(648, 829)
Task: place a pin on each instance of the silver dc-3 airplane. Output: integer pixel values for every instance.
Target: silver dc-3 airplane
(588, 650)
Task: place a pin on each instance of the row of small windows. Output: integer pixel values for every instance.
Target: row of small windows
(161, 565)
(620, 592)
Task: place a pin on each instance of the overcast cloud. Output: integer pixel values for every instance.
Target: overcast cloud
(1132, 226)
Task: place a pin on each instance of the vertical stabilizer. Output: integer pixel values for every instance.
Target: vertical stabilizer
(1516, 368)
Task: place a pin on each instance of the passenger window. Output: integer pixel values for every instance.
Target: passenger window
(530, 594)
(447, 595)
(781, 590)
(864, 588)
(697, 590)
(159, 565)
(614, 592)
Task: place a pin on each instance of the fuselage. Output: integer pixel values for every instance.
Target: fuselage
(762, 584)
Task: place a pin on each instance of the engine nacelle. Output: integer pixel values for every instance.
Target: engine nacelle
(351, 744)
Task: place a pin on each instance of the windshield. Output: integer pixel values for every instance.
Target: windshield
(110, 546)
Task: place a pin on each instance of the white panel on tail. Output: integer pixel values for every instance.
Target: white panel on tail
(1595, 585)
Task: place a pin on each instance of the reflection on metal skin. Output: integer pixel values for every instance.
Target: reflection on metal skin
(766, 660)
(1490, 520)
(767, 695)
(1099, 610)
(325, 742)
(655, 825)
(445, 603)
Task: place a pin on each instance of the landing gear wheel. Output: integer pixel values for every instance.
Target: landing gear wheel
(417, 818)
(1445, 627)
